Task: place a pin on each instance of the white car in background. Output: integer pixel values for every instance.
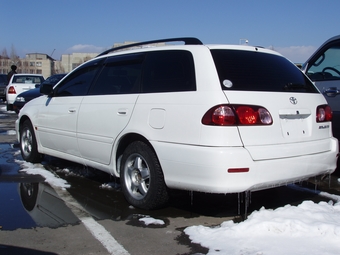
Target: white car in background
(208, 118)
(20, 83)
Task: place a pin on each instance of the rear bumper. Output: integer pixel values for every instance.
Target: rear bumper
(205, 169)
(11, 98)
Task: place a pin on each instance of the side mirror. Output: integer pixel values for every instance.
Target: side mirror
(46, 89)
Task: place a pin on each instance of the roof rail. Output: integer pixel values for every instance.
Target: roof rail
(186, 40)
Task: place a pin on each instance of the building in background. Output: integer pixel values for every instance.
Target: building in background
(40, 63)
(70, 61)
(37, 63)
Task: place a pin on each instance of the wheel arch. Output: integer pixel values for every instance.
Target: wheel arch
(22, 120)
(124, 141)
(30, 147)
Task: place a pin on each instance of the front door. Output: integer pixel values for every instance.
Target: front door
(59, 115)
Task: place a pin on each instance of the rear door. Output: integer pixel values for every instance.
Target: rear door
(107, 108)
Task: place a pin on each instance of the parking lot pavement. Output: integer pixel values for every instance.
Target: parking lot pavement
(106, 223)
(104, 216)
(22, 230)
(7, 130)
(62, 241)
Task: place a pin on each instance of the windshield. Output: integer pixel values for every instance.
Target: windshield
(255, 71)
(326, 66)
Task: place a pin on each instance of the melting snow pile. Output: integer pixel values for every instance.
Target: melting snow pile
(309, 228)
(149, 220)
(39, 170)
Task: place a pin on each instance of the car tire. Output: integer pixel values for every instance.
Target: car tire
(28, 143)
(9, 107)
(141, 177)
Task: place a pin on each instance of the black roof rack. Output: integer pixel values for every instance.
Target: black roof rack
(186, 40)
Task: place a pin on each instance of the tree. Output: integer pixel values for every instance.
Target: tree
(14, 57)
(4, 53)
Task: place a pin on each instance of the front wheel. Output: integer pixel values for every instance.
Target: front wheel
(28, 143)
(141, 177)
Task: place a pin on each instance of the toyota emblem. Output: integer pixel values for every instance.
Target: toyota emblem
(293, 100)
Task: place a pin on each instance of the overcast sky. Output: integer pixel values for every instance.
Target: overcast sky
(54, 27)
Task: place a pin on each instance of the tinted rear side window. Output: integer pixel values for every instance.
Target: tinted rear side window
(169, 71)
(255, 71)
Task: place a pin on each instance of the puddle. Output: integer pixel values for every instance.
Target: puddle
(12, 212)
(26, 200)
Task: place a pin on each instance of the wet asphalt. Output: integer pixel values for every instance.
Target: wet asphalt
(37, 219)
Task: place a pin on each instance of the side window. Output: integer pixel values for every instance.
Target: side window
(169, 71)
(78, 83)
(120, 75)
(326, 66)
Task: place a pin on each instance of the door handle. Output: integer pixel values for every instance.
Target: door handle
(331, 92)
(122, 111)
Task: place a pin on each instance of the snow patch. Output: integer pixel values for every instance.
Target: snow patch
(149, 220)
(11, 132)
(109, 186)
(308, 228)
(38, 169)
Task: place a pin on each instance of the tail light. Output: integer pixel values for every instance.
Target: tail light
(232, 115)
(324, 113)
(11, 90)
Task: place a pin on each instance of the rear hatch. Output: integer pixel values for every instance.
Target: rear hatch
(263, 78)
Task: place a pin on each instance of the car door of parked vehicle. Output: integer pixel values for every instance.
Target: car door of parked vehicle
(107, 109)
(323, 68)
(58, 116)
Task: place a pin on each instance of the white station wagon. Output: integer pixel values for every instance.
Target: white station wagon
(208, 118)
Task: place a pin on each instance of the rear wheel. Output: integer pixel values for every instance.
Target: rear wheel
(28, 143)
(141, 177)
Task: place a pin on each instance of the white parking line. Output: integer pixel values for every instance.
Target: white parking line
(97, 230)
(100, 233)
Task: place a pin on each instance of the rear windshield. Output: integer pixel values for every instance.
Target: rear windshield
(255, 71)
(27, 79)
